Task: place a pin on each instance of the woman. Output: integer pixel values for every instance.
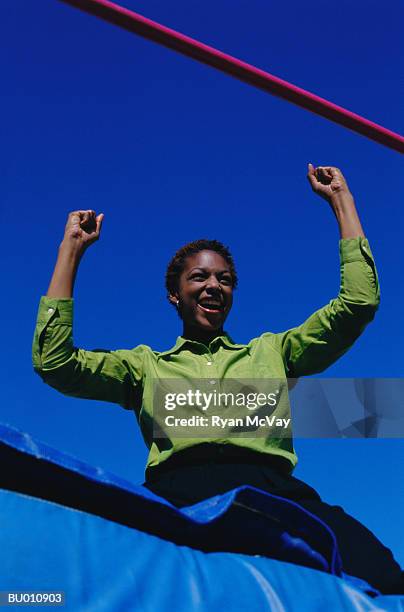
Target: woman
(200, 282)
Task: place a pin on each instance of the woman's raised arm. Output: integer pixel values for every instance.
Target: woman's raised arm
(111, 376)
(329, 332)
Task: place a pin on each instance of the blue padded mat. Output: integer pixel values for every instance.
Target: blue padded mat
(43, 487)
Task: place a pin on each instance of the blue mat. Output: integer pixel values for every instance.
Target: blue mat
(68, 524)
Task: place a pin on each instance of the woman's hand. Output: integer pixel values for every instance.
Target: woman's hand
(82, 229)
(328, 182)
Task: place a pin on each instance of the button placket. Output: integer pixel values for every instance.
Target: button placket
(209, 359)
(210, 364)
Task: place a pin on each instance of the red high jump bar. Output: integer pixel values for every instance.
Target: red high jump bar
(133, 22)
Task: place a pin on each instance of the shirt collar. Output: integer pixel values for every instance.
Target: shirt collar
(225, 339)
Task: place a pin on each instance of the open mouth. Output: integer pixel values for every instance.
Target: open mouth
(211, 307)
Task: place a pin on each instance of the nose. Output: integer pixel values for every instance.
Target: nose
(212, 284)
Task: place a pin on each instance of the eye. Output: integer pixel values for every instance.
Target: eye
(226, 280)
(197, 276)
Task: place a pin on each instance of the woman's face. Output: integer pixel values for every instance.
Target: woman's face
(205, 291)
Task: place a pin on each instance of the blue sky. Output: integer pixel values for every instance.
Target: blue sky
(171, 151)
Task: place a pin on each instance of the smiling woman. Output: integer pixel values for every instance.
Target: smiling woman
(200, 282)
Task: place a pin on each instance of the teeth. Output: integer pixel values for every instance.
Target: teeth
(210, 305)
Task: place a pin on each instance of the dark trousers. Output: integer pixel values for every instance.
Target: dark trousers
(189, 479)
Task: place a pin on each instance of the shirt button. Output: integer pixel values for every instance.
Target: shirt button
(208, 363)
(212, 382)
(50, 310)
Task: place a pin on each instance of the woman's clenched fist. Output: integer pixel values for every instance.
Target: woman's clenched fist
(328, 182)
(83, 228)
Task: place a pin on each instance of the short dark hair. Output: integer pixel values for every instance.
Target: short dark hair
(177, 263)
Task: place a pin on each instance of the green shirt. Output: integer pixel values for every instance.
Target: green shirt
(126, 376)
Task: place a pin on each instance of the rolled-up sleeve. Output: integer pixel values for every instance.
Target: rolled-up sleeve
(110, 376)
(329, 332)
